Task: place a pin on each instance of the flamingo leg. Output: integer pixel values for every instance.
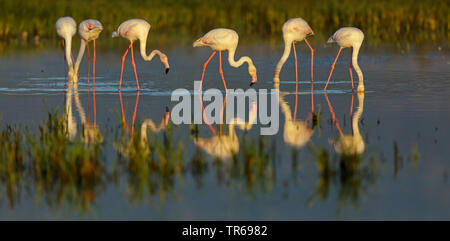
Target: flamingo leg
(89, 104)
(312, 75)
(89, 96)
(204, 68)
(333, 115)
(205, 118)
(350, 70)
(332, 68)
(134, 113)
(312, 62)
(312, 99)
(89, 60)
(134, 66)
(123, 60)
(296, 81)
(224, 84)
(124, 123)
(93, 67)
(221, 72)
(351, 108)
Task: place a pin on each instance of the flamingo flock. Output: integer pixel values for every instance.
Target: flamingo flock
(220, 39)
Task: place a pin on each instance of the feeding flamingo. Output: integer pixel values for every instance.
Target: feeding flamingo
(66, 28)
(294, 30)
(221, 39)
(89, 30)
(132, 30)
(349, 37)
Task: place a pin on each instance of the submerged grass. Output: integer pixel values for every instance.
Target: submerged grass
(416, 20)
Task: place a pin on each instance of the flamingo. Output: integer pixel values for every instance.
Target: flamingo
(294, 30)
(221, 39)
(139, 146)
(349, 145)
(349, 37)
(66, 28)
(132, 30)
(296, 132)
(224, 146)
(91, 133)
(89, 30)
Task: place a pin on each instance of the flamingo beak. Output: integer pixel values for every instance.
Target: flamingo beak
(166, 64)
(254, 79)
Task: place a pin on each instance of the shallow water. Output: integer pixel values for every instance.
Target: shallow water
(404, 125)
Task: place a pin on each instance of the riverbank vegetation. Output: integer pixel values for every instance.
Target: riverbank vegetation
(393, 21)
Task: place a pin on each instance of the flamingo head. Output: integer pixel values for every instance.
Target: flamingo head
(165, 61)
(252, 72)
(332, 39)
(93, 27)
(198, 43)
(309, 32)
(97, 29)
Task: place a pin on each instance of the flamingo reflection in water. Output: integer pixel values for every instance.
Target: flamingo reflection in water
(296, 132)
(349, 145)
(91, 133)
(224, 146)
(141, 143)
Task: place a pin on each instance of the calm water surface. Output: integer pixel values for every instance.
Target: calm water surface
(401, 125)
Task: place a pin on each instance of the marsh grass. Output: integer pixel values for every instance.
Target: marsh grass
(383, 20)
(152, 164)
(11, 163)
(350, 174)
(65, 171)
(59, 169)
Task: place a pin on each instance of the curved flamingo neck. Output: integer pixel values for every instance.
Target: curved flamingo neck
(241, 61)
(285, 109)
(68, 52)
(146, 124)
(143, 46)
(284, 57)
(80, 56)
(355, 53)
(71, 126)
(357, 116)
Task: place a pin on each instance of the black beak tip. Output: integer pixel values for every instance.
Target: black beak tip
(167, 109)
(252, 83)
(167, 70)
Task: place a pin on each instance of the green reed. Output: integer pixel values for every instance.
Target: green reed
(62, 170)
(58, 168)
(150, 161)
(11, 163)
(383, 20)
(350, 174)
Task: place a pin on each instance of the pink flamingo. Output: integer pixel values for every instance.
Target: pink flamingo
(66, 28)
(221, 39)
(132, 30)
(89, 30)
(349, 37)
(294, 30)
